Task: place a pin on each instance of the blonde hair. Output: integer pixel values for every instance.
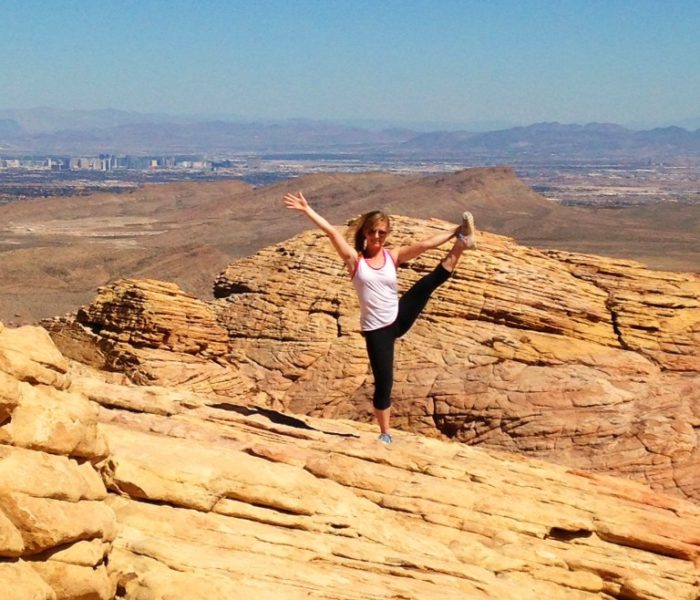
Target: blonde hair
(364, 223)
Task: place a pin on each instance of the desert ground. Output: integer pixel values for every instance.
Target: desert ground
(54, 253)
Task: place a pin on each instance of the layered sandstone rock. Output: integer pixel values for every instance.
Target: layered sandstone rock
(587, 361)
(55, 527)
(218, 499)
(219, 503)
(654, 313)
(152, 331)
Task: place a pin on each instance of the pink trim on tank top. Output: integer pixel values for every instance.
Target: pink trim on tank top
(385, 251)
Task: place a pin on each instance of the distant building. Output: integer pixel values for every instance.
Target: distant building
(58, 163)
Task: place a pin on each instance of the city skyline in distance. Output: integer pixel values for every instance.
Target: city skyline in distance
(452, 65)
(54, 133)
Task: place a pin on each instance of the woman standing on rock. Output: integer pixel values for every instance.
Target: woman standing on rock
(383, 316)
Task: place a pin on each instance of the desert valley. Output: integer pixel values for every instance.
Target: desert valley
(57, 251)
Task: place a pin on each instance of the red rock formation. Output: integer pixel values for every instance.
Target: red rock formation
(152, 331)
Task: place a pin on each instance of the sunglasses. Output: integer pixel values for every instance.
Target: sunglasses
(381, 232)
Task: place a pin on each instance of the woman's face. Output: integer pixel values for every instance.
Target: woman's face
(375, 234)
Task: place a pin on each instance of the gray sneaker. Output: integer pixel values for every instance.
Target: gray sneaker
(467, 233)
(385, 438)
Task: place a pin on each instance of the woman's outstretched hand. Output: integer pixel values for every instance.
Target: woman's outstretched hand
(345, 250)
(295, 202)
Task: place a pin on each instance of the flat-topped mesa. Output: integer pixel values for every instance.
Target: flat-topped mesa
(547, 353)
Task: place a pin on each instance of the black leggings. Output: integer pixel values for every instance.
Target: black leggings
(380, 342)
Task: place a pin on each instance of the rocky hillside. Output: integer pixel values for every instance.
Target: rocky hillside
(54, 253)
(588, 362)
(110, 490)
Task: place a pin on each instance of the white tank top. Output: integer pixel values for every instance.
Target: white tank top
(377, 293)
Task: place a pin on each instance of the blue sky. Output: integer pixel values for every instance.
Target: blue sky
(438, 61)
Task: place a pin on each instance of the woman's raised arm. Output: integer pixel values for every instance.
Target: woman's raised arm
(346, 252)
(406, 253)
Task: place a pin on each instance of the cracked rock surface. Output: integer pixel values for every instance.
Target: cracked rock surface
(116, 491)
(590, 362)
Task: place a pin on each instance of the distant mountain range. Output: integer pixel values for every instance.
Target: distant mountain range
(556, 139)
(55, 131)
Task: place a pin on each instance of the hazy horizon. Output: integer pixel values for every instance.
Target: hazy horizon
(398, 61)
(690, 123)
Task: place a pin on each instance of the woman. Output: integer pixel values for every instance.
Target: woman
(383, 316)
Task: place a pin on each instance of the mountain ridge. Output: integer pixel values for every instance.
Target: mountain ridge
(52, 130)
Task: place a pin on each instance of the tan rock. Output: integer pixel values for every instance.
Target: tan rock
(78, 342)
(55, 529)
(155, 333)
(522, 350)
(348, 518)
(587, 361)
(151, 399)
(24, 581)
(214, 499)
(148, 579)
(28, 354)
(43, 475)
(9, 396)
(55, 421)
(85, 553)
(11, 542)
(47, 523)
(70, 581)
(147, 366)
(155, 314)
(53, 516)
(47, 518)
(655, 313)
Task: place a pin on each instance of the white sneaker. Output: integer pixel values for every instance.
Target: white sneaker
(467, 233)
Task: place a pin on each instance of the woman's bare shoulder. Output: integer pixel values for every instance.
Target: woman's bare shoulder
(394, 254)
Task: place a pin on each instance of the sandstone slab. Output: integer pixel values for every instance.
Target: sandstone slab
(56, 530)
(200, 496)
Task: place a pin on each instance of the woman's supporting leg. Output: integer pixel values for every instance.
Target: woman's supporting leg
(383, 417)
(380, 349)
